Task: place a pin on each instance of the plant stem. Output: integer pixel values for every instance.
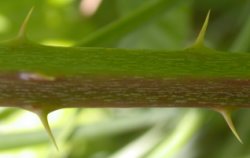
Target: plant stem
(54, 78)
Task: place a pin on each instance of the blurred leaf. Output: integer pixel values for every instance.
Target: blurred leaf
(106, 128)
(169, 30)
(241, 42)
(111, 33)
(7, 112)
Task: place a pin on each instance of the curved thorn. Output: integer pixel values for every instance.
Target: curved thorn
(200, 39)
(43, 117)
(23, 28)
(226, 114)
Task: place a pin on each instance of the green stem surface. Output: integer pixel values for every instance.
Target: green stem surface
(51, 78)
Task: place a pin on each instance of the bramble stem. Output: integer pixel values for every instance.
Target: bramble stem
(53, 78)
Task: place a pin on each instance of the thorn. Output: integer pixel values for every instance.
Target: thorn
(43, 117)
(22, 32)
(199, 42)
(226, 114)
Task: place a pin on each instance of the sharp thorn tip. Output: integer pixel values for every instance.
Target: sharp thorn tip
(43, 117)
(23, 28)
(226, 114)
(200, 39)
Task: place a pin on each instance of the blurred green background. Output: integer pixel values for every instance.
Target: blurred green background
(127, 133)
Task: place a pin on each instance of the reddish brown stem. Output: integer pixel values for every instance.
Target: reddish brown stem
(123, 92)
